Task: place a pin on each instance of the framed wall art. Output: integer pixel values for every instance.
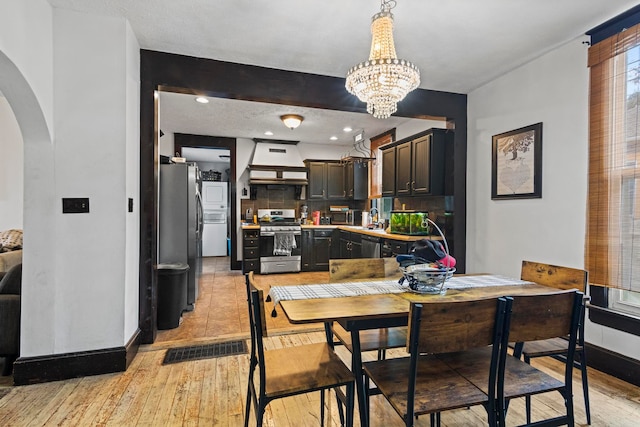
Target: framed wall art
(516, 166)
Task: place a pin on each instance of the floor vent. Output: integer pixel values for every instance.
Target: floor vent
(196, 352)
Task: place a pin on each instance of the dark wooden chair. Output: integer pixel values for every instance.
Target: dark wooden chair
(560, 278)
(290, 371)
(529, 318)
(345, 270)
(423, 383)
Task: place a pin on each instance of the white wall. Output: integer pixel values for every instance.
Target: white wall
(132, 184)
(11, 169)
(552, 89)
(80, 283)
(26, 40)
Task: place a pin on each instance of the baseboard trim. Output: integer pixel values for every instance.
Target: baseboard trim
(56, 367)
(614, 364)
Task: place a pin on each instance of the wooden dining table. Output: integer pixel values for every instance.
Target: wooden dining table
(356, 313)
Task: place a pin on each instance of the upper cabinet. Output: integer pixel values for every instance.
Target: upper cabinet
(416, 165)
(337, 180)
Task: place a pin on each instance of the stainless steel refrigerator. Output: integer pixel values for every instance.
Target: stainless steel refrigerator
(180, 222)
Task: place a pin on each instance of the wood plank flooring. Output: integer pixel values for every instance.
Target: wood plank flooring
(212, 392)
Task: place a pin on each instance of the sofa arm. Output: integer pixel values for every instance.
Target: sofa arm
(9, 325)
(9, 259)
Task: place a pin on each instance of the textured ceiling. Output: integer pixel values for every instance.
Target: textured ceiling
(458, 45)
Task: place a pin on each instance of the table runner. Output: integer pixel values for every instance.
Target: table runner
(349, 289)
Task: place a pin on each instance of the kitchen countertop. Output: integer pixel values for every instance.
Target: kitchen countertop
(356, 229)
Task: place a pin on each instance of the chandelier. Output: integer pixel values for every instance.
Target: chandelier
(383, 80)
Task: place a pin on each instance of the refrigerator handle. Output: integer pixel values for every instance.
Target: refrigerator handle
(200, 214)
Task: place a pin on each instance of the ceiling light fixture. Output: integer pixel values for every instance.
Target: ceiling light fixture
(383, 80)
(268, 133)
(202, 100)
(334, 138)
(291, 121)
(347, 129)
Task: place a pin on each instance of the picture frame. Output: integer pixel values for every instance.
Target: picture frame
(516, 164)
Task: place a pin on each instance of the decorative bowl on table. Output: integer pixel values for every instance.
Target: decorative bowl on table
(426, 276)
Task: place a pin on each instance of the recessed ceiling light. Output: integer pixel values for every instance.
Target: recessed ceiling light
(268, 133)
(347, 129)
(202, 100)
(334, 138)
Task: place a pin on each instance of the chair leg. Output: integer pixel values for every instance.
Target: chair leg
(262, 405)
(351, 391)
(340, 409)
(321, 408)
(247, 411)
(527, 398)
(585, 385)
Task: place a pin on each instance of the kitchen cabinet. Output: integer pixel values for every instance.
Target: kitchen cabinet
(391, 248)
(350, 244)
(317, 249)
(337, 180)
(357, 180)
(250, 253)
(389, 172)
(415, 165)
(326, 180)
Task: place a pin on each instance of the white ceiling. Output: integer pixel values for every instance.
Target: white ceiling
(458, 45)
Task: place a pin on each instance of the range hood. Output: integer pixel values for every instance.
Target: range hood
(277, 163)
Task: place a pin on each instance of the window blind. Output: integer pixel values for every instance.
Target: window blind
(612, 253)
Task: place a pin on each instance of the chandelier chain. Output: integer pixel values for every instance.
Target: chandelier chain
(387, 5)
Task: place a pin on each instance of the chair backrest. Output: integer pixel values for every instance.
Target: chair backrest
(554, 276)
(541, 317)
(258, 328)
(343, 270)
(260, 321)
(452, 326)
(449, 326)
(544, 316)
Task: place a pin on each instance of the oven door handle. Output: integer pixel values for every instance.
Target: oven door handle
(273, 233)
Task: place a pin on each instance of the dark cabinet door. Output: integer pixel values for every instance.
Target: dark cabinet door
(360, 181)
(306, 250)
(356, 249)
(348, 179)
(321, 251)
(335, 181)
(317, 180)
(429, 164)
(403, 169)
(421, 183)
(389, 172)
(345, 244)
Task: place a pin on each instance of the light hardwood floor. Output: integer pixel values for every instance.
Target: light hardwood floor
(212, 392)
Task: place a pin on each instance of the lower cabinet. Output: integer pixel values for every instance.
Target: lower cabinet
(317, 249)
(250, 253)
(350, 244)
(391, 248)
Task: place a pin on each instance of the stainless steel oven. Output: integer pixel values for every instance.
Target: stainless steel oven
(279, 241)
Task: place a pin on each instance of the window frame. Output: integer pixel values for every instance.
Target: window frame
(604, 301)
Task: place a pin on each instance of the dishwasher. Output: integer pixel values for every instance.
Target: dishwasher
(370, 247)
